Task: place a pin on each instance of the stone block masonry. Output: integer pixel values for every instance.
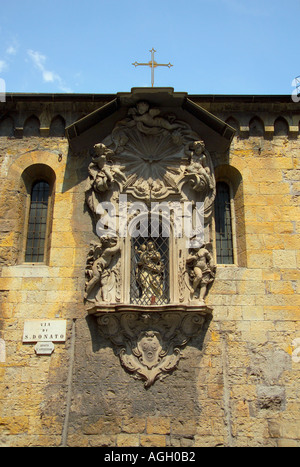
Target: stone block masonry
(237, 383)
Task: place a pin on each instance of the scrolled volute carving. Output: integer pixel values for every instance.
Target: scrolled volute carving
(149, 344)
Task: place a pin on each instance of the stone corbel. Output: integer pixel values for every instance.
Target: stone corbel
(269, 131)
(149, 343)
(244, 131)
(293, 131)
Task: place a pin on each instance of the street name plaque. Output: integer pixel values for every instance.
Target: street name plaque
(45, 330)
(44, 348)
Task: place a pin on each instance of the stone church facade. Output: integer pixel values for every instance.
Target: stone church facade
(149, 270)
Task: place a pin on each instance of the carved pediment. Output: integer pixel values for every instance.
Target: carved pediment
(93, 128)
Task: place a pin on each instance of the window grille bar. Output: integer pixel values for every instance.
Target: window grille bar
(149, 281)
(223, 222)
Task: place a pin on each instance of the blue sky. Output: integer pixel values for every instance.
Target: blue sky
(216, 46)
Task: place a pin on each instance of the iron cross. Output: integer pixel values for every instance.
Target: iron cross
(153, 64)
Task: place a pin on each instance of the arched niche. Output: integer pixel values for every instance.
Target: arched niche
(256, 127)
(31, 126)
(281, 127)
(57, 126)
(7, 126)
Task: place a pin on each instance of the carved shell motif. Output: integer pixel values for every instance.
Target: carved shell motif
(154, 152)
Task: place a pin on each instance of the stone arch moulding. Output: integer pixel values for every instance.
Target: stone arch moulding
(152, 162)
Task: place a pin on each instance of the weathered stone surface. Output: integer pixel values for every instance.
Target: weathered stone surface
(235, 385)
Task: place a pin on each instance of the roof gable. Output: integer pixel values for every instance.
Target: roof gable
(98, 124)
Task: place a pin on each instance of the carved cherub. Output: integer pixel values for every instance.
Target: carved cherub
(148, 120)
(98, 261)
(102, 173)
(99, 170)
(201, 270)
(198, 170)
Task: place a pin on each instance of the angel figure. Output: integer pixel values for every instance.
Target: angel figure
(198, 170)
(99, 169)
(101, 175)
(98, 271)
(148, 120)
(202, 270)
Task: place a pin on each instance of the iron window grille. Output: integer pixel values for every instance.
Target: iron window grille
(223, 223)
(149, 278)
(37, 223)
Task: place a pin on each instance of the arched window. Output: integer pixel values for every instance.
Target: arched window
(149, 279)
(223, 223)
(38, 188)
(37, 223)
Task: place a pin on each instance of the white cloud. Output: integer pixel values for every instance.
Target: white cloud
(49, 76)
(39, 61)
(11, 50)
(3, 66)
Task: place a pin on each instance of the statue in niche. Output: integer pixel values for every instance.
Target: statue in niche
(102, 174)
(198, 171)
(202, 270)
(99, 271)
(149, 272)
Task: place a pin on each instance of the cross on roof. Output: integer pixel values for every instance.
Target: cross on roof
(153, 64)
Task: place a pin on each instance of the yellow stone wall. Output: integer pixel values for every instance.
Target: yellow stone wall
(240, 387)
(256, 308)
